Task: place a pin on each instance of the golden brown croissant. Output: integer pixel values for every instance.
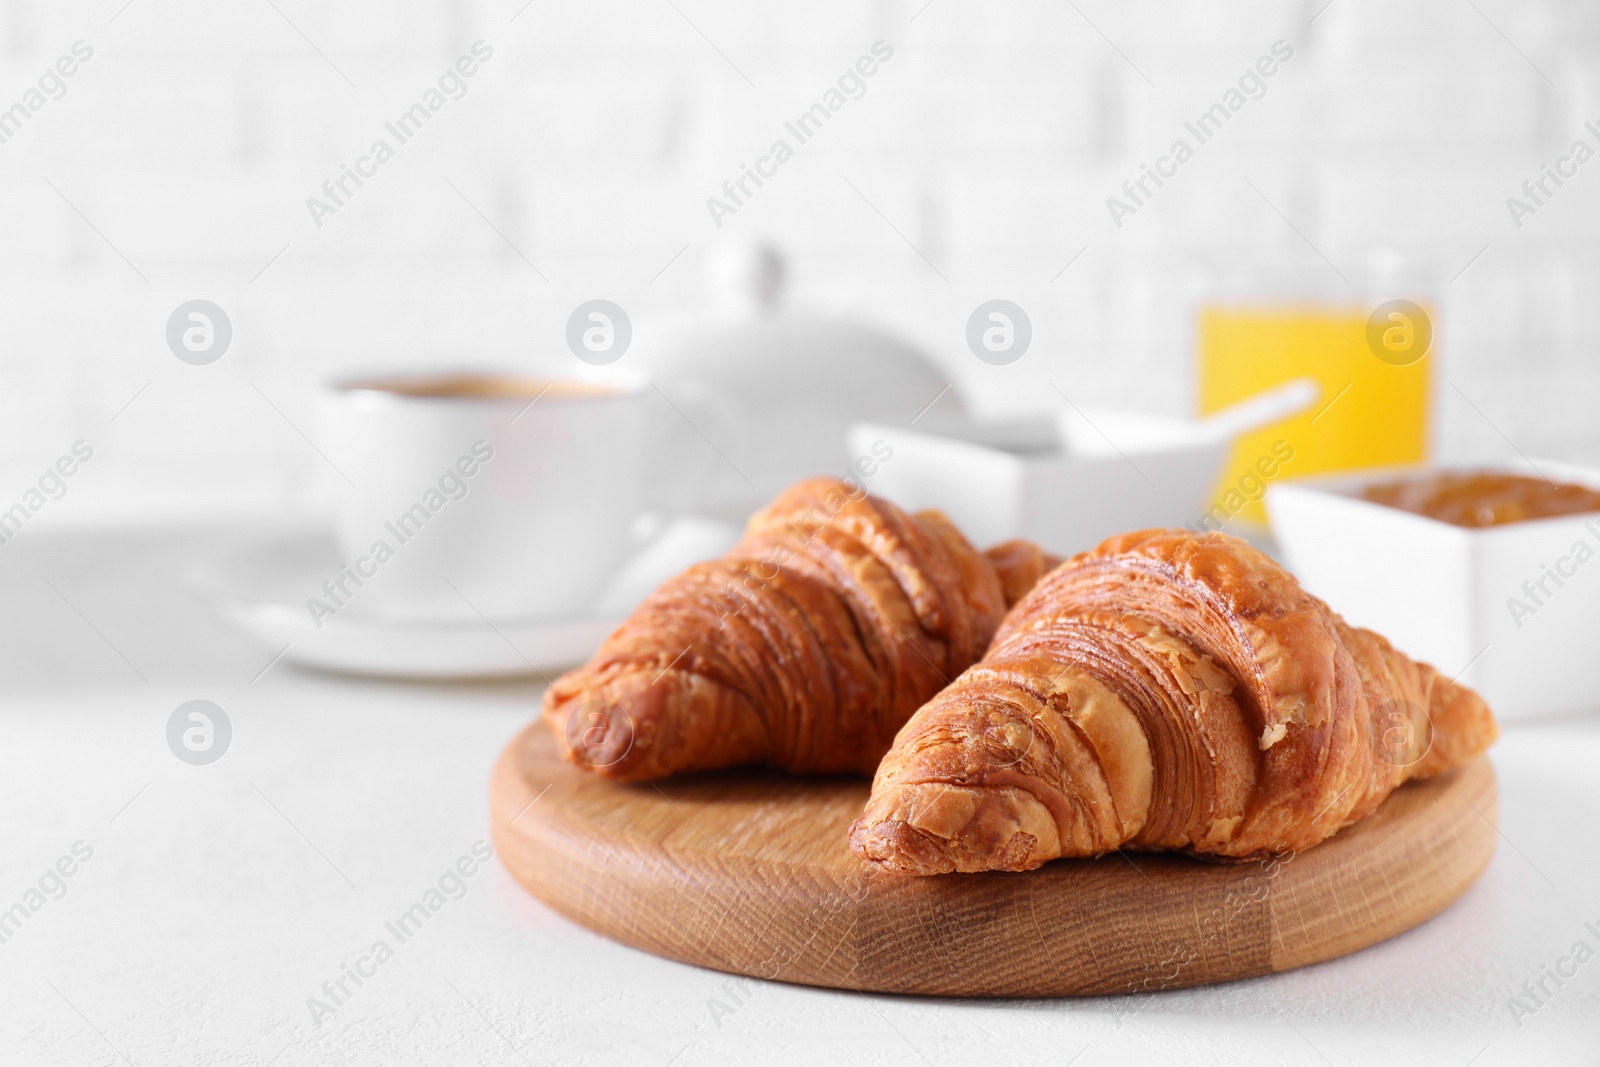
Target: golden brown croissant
(804, 648)
(1166, 690)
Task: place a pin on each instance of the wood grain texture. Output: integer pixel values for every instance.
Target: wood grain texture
(750, 873)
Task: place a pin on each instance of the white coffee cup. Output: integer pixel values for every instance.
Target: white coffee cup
(484, 495)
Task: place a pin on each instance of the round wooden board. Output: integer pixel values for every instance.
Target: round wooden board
(750, 872)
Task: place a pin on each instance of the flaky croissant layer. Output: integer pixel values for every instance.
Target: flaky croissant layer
(805, 648)
(1165, 691)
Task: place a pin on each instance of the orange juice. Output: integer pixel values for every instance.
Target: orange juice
(1372, 412)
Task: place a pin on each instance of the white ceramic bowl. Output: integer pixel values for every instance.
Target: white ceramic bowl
(1160, 472)
(1469, 601)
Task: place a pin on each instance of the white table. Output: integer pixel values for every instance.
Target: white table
(219, 898)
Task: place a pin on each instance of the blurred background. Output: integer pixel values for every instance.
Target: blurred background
(976, 164)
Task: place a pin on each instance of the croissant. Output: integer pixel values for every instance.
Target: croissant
(804, 648)
(1164, 691)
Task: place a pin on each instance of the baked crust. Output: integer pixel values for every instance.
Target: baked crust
(805, 648)
(1267, 723)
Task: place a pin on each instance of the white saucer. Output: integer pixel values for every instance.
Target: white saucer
(262, 589)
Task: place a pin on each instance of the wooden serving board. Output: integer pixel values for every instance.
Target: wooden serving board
(750, 872)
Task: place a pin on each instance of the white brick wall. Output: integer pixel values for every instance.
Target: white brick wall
(592, 138)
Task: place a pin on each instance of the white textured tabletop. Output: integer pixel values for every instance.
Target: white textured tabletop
(211, 913)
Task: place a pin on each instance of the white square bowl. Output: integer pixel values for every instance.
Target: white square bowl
(1467, 600)
(1067, 497)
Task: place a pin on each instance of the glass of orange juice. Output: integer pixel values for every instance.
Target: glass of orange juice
(1368, 344)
